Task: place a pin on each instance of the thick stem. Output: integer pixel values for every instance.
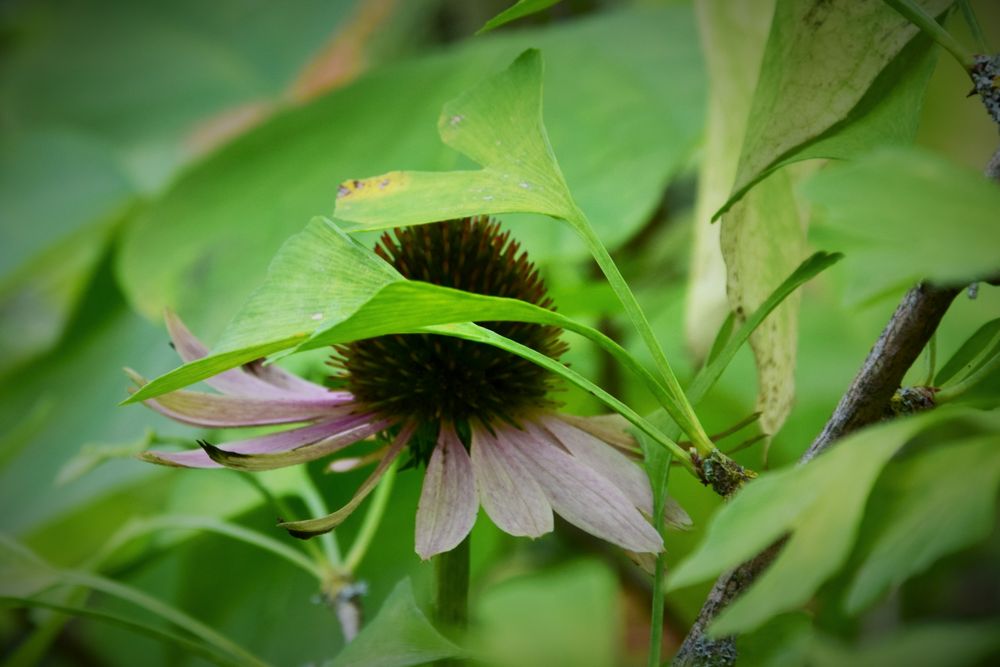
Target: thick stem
(451, 610)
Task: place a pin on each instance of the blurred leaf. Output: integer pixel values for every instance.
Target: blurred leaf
(189, 646)
(892, 214)
(22, 573)
(186, 60)
(50, 245)
(763, 240)
(733, 36)
(821, 61)
(711, 372)
(820, 505)
(952, 644)
(162, 610)
(638, 108)
(973, 353)
(781, 642)
(91, 455)
(162, 522)
(567, 616)
(930, 505)
(520, 10)
(497, 123)
(398, 636)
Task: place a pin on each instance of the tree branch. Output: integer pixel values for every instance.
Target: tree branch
(865, 402)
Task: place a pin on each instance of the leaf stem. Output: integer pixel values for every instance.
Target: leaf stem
(285, 512)
(659, 594)
(373, 517)
(680, 408)
(916, 15)
(954, 391)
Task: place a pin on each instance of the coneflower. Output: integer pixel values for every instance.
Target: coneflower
(478, 418)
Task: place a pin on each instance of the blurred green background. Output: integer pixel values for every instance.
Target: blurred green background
(157, 154)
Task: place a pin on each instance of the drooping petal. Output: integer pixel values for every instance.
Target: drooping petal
(581, 495)
(509, 494)
(236, 382)
(303, 454)
(610, 463)
(612, 429)
(279, 378)
(448, 504)
(218, 411)
(312, 527)
(616, 467)
(355, 462)
(271, 443)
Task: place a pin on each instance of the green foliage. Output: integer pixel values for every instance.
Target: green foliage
(891, 212)
(221, 239)
(930, 505)
(498, 124)
(160, 156)
(819, 507)
(821, 60)
(566, 616)
(517, 11)
(399, 635)
(974, 352)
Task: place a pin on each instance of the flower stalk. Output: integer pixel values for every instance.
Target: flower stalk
(451, 610)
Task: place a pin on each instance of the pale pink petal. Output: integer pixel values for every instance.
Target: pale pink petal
(236, 381)
(448, 504)
(303, 454)
(278, 377)
(355, 462)
(218, 411)
(312, 527)
(509, 494)
(612, 429)
(581, 495)
(617, 468)
(609, 462)
(356, 427)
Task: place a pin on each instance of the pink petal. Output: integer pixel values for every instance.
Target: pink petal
(355, 427)
(509, 494)
(448, 504)
(217, 411)
(312, 527)
(580, 495)
(278, 377)
(253, 379)
(617, 468)
(608, 462)
(236, 381)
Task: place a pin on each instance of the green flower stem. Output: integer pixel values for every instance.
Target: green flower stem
(284, 511)
(659, 594)
(451, 609)
(918, 17)
(317, 507)
(680, 408)
(947, 394)
(376, 511)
